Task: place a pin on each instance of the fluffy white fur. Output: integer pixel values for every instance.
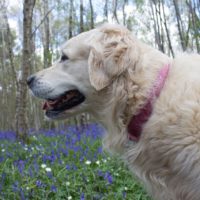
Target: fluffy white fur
(115, 71)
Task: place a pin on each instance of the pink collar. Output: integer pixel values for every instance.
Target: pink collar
(137, 121)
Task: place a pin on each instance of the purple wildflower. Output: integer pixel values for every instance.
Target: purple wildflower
(3, 176)
(124, 194)
(39, 183)
(36, 167)
(30, 172)
(21, 165)
(1, 159)
(15, 186)
(108, 177)
(68, 167)
(53, 188)
(82, 196)
(49, 174)
(22, 194)
(100, 173)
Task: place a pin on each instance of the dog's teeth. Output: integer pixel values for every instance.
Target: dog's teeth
(45, 106)
(51, 102)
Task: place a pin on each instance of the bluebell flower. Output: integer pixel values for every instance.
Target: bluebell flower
(39, 183)
(53, 188)
(108, 177)
(1, 159)
(100, 173)
(30, 172)
(36, 167)
(68, 167)
(22, 194)
(15, 186)
(124, 194)
(21, 165)
(49, 174)
(82, 196)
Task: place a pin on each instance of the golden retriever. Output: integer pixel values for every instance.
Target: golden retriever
(148, 102)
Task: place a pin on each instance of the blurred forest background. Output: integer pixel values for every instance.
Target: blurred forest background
(32, 30)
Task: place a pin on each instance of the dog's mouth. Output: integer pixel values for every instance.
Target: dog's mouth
(64, 102)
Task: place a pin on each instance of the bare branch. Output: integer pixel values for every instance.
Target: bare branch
(41, 22)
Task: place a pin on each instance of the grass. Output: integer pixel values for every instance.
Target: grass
(65, 164)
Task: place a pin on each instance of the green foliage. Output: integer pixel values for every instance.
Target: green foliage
(64, 166)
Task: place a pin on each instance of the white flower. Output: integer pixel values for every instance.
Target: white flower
(98, 162)
(48, 169)
(37, 148)
(43, 166)
(67, 183)
(88, 162)
(25, 148)
(27, 188)
(104, 160)
(2, 150)
(125, 188)
(34, 137)
(32, 148)
(69, 197)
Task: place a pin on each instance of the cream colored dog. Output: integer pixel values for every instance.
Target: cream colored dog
(149, 104)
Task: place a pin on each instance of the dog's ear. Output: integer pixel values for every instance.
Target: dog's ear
(108, 62)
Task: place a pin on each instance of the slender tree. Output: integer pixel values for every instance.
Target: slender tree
(167, 29)
(46, 32)
(81, 17)
(181, 30)
(21, 111)
(115, 17)
(91, 15)
(158, 26)
(106, 10)
(70, 19)
(194, 21)
(123, 11)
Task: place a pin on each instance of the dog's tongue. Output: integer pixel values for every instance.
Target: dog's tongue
(49, 104)
(45, 105)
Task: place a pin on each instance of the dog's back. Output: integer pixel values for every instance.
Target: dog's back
(170, 144)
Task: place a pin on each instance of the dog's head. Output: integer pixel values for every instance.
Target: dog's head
(89, 63)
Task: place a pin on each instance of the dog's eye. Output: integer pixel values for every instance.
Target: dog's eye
(64, 58)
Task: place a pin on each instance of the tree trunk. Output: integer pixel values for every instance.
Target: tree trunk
(81, 17)
(194, 20)
(158, 24)
(70, 19)
(13, 74)
(167, 31)
(91, 15)
(106, 10)
(179, 24)
(124, 13)
(21, 111)
(115, 18)
(46, 42)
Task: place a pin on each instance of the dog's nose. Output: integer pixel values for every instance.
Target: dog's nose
(30, 80)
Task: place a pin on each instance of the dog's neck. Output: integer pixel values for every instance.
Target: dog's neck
(129, 94)
(137, 121)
